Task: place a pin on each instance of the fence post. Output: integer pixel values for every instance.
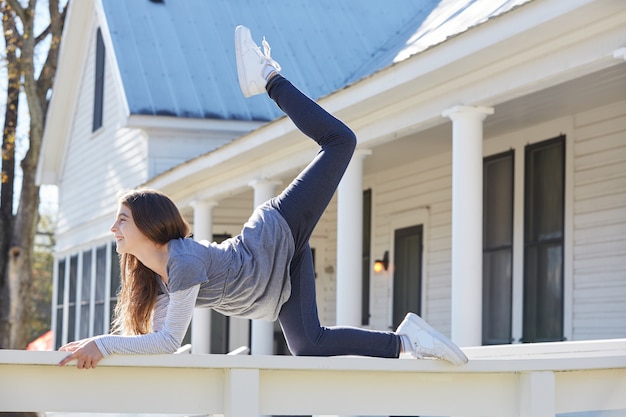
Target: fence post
(241, 393)
(537, 394)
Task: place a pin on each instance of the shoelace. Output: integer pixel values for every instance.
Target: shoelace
(266, 52)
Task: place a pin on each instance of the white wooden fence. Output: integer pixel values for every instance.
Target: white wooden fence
(515, 380)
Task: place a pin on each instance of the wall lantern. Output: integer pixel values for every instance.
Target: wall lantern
(381, 265)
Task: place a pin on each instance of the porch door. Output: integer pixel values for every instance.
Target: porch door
(407, 274)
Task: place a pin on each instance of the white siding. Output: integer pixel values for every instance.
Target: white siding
(599, 265)
(595, 306)
(600, 272)
(169, 149)
(97, 164)
(426, 185)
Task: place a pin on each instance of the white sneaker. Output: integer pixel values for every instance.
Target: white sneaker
(253, 67)
(428, 342)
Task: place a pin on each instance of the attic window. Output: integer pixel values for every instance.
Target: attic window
(98, 99)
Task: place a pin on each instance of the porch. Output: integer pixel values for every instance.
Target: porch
(540, 379)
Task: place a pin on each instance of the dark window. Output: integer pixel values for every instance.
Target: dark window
(58, 336)
(543, 241)
(497, 248)
(367, 241)
(99, 319)
(115, 281)
(71, 319)
(85, 299)
(98, 100)
(219, 333)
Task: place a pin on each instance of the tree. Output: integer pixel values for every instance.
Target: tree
(18, 224)
(43, 263)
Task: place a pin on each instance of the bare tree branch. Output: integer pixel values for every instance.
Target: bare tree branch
(43, 34)
(18, 9)
(44, 83)
(53, 8)
(55, 14)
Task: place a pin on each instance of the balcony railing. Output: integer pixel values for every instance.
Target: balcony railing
(541, 379)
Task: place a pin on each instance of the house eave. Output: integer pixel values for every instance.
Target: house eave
(491, 63)
(59, 118)
(180, 125)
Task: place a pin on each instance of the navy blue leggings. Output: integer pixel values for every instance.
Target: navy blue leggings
(302, 204)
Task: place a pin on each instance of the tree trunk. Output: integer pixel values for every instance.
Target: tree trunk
(8, 173)
(27, 216)
(20, 265)
(18, 231)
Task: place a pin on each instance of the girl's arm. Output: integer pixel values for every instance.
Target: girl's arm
(168, 333)
(166, 339)
(160, 312)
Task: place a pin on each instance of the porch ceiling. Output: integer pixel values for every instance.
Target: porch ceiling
(578, 95)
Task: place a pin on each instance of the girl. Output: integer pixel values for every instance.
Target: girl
(266, 272)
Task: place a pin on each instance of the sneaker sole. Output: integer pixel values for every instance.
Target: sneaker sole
(455, 352)
(241, 34)
(241, 74)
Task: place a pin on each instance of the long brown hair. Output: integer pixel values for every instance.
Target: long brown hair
(158, 218)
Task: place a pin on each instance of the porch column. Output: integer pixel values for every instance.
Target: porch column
(262, 342)
(467, 221)
(349, 242)
(201, 322)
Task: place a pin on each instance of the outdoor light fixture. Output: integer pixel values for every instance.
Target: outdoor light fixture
(381, 265)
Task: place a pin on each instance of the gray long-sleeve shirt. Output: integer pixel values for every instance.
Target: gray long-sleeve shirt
(245, 276)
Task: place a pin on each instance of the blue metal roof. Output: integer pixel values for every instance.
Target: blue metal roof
(177, 57)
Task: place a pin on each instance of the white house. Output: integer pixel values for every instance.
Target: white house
(490, 170)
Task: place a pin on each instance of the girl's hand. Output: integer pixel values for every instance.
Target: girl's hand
(85, 352)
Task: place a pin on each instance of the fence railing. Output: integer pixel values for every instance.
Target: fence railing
(515, 380)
